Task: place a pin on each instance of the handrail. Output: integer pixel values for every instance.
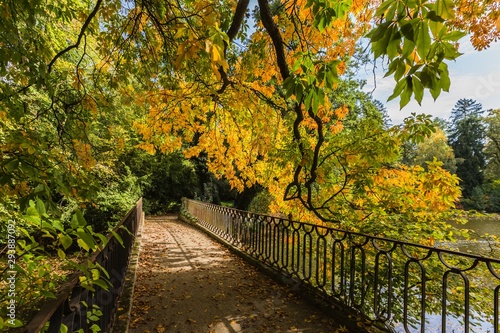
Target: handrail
(397, 285)
(67, 307)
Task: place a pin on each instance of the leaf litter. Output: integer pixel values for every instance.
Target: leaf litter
(187, 282)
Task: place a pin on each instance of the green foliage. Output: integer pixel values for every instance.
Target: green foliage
(163, 179)
(44, 253)
(57, 146)
(492, 193)
(416, 40)
(476, 201)
(307, 87)
(118, 192)
(492, 147)
(172, 178)
(485, 198)
(260, 203)
(466, 137)
(325, 12)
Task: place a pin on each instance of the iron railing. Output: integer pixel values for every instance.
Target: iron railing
(74, 304)
(400, 286)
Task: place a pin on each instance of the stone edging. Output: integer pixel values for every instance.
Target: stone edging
(124, 306)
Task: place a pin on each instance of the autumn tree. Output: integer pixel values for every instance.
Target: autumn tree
(291, 92)
(258, 105)
(436, 147)
(201, 76)
(262, 105)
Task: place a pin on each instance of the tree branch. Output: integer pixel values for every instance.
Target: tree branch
(80, 36)
(238, 17)
(304, 176)
(274, 33)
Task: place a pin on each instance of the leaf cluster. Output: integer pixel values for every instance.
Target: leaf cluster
(415, 37)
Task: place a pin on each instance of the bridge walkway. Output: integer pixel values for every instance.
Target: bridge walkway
(187, 282)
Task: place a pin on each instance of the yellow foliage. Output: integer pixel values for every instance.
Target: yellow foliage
(481, 19)
(84, 154)
(148, 147)
(342, 112)
(232, 108)
(91, 104)
(337, 127)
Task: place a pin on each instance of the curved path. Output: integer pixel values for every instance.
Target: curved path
(187, 282)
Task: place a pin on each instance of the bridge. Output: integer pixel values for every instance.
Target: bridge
(217, 269)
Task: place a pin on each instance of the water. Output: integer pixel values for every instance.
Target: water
(484, 239)
(483, 225)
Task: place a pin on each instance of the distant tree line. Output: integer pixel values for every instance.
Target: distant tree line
(468, 144)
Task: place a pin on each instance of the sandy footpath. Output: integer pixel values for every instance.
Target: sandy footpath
(187, 282)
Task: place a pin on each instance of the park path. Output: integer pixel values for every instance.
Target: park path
(187, 282)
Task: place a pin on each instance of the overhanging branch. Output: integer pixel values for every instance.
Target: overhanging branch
(80, 36)
(274, 33)
(238, 17)
(304, 176)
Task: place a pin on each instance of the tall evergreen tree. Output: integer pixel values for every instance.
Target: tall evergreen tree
(466, 137)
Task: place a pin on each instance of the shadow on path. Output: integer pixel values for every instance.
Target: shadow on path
(187, 282)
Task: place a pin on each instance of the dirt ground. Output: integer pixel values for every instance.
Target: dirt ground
(187, 282)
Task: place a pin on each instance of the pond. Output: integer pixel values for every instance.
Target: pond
(482, 239)
(481, 243)
(484, 225)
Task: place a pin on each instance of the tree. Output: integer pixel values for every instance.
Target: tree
(260, 106)
(256, 110)
(436, 147)
(62, 128)
(196, 81)
(492, 152)
(467, 140)
(264, 105)
(492, 147)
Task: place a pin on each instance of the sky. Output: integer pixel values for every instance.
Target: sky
(474, 75)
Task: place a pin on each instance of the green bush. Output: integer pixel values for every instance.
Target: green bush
(118, 193)
(260, 203)
(171, 178)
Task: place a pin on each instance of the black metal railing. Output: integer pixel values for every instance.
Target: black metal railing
(77, 308)
(400, 286)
